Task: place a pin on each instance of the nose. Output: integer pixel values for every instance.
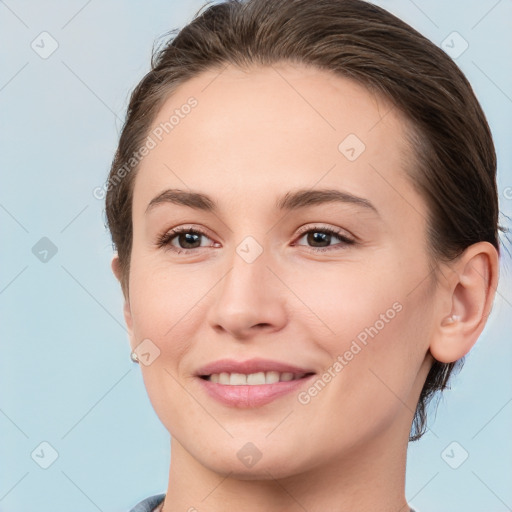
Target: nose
(249, 299)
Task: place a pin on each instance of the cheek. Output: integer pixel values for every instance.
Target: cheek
(344, 301)
(162, 306)
(374, 319)
(162, 298)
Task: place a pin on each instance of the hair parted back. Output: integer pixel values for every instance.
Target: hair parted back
(453, 160)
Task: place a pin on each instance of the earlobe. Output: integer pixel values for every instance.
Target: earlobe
(114, 265)
(451, 319)
(128, 317)
(471, 287)
(116, 269)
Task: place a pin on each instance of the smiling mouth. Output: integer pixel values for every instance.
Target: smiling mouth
(253, 379)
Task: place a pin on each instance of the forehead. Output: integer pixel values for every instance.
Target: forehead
(254, 134)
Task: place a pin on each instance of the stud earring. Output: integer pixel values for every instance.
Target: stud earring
(134, 357)
(452, 319)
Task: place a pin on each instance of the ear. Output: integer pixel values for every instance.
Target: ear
(469, 289)
(116, 269)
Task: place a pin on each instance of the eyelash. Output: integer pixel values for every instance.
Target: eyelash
(164, 240)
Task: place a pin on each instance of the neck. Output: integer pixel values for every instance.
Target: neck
(371, 477)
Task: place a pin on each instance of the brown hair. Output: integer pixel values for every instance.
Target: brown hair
(455, 161)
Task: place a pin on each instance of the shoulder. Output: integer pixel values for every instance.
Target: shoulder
(148, 504)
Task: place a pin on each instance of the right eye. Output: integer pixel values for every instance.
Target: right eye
(185, 237)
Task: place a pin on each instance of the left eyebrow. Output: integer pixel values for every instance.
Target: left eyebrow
(305, 197)
(295, 200)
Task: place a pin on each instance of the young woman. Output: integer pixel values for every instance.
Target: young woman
(304, 208)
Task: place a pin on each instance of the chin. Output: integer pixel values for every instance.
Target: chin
(267, 470)
(244, 461)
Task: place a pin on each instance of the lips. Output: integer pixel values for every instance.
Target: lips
(250, 366)
(236, 393)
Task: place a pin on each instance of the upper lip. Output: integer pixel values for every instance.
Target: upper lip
(250, 366)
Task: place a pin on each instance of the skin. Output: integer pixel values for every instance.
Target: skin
(254, 136)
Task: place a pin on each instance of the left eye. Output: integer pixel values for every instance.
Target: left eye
(324, 236)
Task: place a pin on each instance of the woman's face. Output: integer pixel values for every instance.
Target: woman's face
(266, 278)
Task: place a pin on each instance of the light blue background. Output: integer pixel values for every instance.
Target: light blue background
(65, 373)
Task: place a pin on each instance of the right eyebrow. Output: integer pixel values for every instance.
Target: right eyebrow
(181, 197)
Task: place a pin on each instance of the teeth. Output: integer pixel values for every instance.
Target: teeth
(237, 379)
(253, 379)
(272, 377)
(224, 378)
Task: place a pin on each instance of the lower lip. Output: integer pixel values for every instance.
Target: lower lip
(251, 396)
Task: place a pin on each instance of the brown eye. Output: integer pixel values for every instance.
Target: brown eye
(182, 240)
(188, 240)
(317, 237)
(321, 238)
